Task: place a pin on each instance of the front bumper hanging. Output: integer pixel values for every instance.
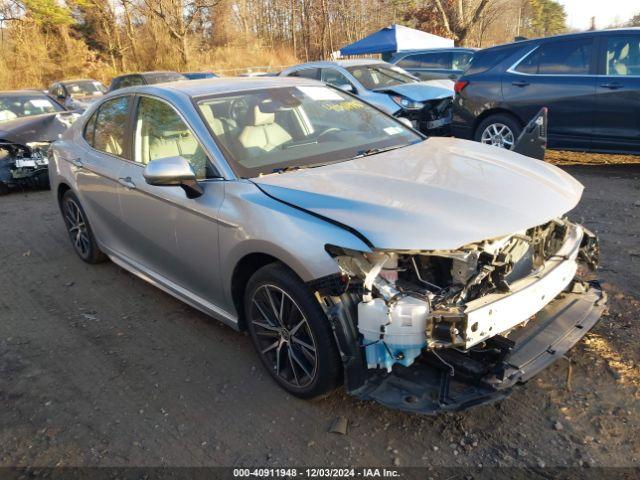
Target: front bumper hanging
(450, 380)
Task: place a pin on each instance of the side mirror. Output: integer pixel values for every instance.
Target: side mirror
(173, 172)
(347, 87)
(406, 121)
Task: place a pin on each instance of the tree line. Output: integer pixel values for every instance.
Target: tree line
(46, 40)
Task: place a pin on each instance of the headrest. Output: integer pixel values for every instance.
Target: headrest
(262, 118)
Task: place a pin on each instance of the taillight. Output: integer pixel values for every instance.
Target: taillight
(459, 85)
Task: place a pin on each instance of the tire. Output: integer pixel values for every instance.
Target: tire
(80, 233)
(4, 189)
(309, 364)
(496, 126)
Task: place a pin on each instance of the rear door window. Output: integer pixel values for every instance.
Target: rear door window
(110, 126)
(433, 60)
(623, 55)
(559, 58)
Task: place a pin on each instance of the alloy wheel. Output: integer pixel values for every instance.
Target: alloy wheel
(498, 135)
(77, 227)
(283, 336)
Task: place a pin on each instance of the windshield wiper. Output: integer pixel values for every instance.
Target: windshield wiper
(375, 151)
(288, 168)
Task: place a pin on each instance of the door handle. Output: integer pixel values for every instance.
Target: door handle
(127, 183)
(77, 162)
(520, 83)
(611, 85)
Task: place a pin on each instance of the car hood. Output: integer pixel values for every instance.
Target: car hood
(441, 193)
(422, 91)
(46, 127)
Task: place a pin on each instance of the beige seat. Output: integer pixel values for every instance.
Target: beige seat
(263, 132)
(216, 125)
(617, 61)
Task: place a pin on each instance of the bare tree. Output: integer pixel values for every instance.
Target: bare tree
(178, 16)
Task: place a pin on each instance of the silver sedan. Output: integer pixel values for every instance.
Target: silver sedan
(426, 274)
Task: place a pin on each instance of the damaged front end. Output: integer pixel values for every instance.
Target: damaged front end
(24, 146)
(23, 166)
(431, 331)
(432, 117)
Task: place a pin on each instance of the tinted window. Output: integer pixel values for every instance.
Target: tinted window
(461, 60)
(334, 77)
(128, 81)
(161, 133)
(623, 55)
(559, 58)
(313, 73)
(435, 60)
(487, 59)
(111, 123)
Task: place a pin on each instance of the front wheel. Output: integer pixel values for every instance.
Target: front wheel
(498, 130)
(79, 230)
(291, 332)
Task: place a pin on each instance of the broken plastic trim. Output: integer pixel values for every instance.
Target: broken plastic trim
(427, 386)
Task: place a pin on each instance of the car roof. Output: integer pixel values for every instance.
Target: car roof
(340, 63)
(564, 36)
(16, 93)
(66, 82)
(214, 86)
(155, 72)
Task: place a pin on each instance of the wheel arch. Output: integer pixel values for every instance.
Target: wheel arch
(61, 190)
(495, 111)
(244, 269)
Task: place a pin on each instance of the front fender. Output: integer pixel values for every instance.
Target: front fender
(252, 222)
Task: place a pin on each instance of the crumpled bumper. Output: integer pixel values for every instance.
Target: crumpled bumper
(436, 384)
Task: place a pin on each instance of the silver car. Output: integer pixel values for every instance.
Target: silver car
(426, 274)
(427, 105)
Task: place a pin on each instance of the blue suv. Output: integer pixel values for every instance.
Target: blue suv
(589, 81)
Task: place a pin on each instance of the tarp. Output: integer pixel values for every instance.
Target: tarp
(396, 38)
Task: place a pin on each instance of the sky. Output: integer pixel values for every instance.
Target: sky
(607, 12)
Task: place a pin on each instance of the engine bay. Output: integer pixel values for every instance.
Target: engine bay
(417, 301)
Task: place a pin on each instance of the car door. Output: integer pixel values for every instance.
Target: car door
(97, 163)
(559, 75)
(616, 119)
(171, 237)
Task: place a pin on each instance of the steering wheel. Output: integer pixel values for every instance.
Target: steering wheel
(328, 131)
(238, 110)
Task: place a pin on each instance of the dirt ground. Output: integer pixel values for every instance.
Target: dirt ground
(99, 368)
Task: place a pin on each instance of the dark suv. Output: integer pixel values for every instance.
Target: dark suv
(144, 78)
(590, 83)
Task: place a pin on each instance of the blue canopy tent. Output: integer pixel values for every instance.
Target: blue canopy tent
(395, 38)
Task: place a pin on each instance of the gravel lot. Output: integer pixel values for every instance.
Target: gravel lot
(99, 368)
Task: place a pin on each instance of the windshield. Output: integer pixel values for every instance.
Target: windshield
(85, 87)
(380, 76)
(14, 106)
(265, 131)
